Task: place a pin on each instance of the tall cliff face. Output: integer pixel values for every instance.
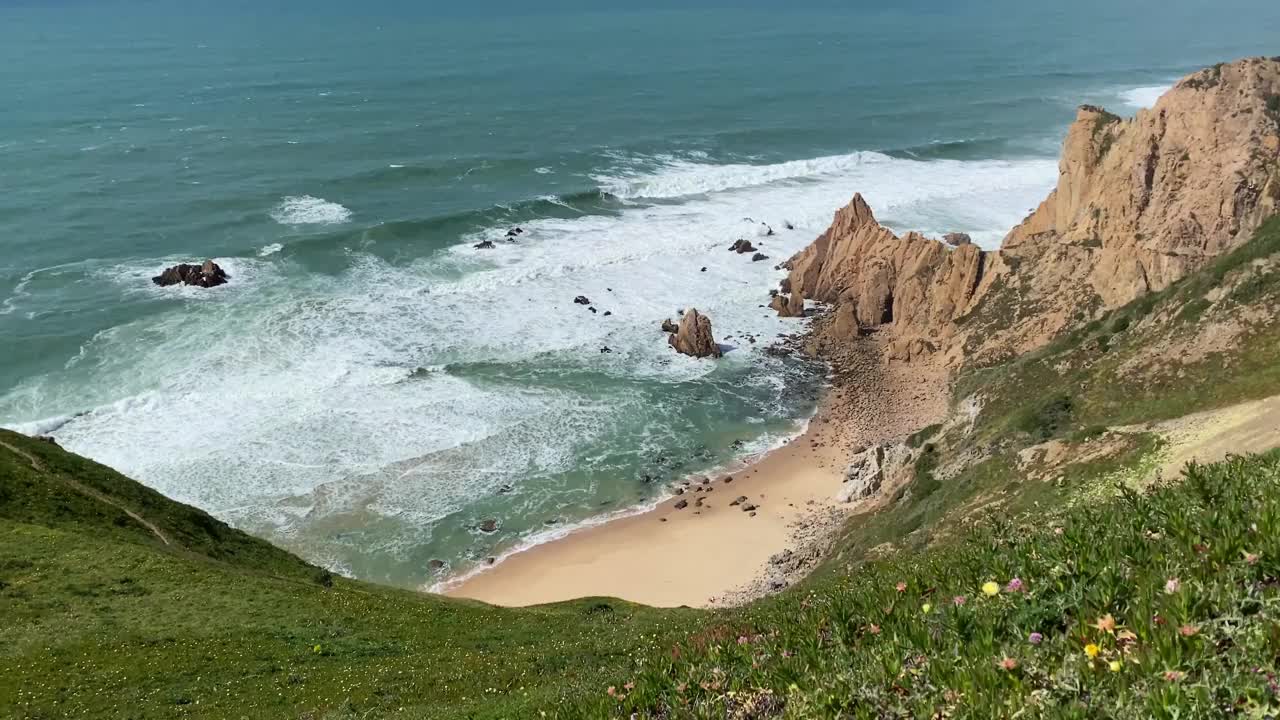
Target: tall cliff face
(1139, 204)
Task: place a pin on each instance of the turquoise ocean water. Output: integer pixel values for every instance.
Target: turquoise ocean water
(369, 387)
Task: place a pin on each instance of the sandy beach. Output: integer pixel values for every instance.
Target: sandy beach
(669, 557)
(712, 552)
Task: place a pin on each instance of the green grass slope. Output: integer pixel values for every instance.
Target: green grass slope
(101, 618)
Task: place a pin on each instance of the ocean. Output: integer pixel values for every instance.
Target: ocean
(370, 389)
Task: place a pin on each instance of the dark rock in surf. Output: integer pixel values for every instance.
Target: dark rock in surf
(484, 245)
(488, 526)
(742, 247)
(206, 276)
(669, 327)
(758, 257)
(581, 300)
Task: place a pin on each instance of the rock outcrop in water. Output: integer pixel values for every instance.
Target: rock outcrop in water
(206, 276)
(693, 336)
(1140, 203)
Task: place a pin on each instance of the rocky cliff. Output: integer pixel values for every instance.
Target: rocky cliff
(1140, 203)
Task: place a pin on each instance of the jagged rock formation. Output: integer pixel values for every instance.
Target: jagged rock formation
(1140, 203)
(693, 336)
(206, 276)
(875, 278)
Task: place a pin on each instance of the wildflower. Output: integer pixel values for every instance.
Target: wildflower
(959, 600)
(926, 608)
(1035, 638)
(901, 586)
(1015, 585)
(1173, 675)
(316, 649)
(1008, 664)
(743, 640)
(1106, 624)
(990, 589)
(873, 629)
(786, 653)
(1114, 666)
(1172, 586)
(1200, 548)
(1057, 531)
(612, 691)
(1092, 650)
(793, 687)
(629, 686)
(1188, 630)
(1250, 558)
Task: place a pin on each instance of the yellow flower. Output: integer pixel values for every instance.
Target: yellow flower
(1091, 650)
(1114, 665)
(990, 589)
(926, 608)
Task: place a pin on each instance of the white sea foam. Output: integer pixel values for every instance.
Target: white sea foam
(308, 210)
(1144, 97)
(293, 404)
(543, 170)
(271, 249)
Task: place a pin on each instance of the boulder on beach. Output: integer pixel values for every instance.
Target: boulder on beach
(693, 336)
(206, 276)
(742, 247)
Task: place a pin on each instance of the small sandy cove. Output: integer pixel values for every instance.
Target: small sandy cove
(669, 557)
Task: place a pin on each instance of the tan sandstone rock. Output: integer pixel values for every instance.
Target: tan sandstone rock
(1140, 203)
(693, 337)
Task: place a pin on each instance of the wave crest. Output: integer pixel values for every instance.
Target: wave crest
(308, 210)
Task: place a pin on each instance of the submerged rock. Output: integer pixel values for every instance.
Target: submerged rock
(206, 276)
(484, 245)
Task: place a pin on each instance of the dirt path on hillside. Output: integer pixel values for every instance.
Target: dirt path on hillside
(86, 491)
(1210, 436)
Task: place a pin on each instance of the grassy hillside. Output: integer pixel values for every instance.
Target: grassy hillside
(117, 602)
(99, 617)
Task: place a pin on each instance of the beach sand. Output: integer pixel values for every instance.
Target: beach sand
(718, 553)
(669, 557)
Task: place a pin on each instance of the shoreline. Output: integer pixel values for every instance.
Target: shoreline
(712, 551)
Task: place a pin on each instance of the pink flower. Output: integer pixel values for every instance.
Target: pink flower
(612, 691)
(1174, 675)
(1057, 531)
(1015, 585)
(1035, 638)
(959, 600)
(1172, 586)
(1251, 558)
(786, 653)
(629, 686)
(743, 640)
(901, 586)
(1008, 664)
